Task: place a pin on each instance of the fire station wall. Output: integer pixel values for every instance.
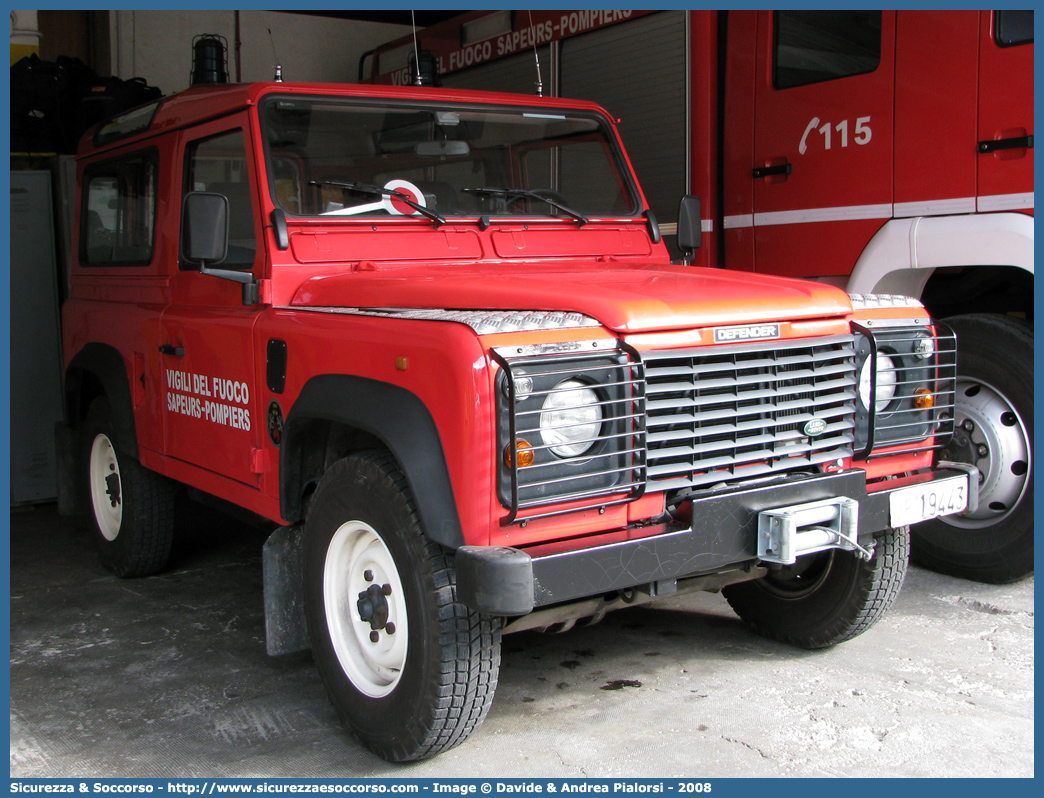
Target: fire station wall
(157, 45)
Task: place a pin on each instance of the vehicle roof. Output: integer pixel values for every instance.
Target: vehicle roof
(200, 103)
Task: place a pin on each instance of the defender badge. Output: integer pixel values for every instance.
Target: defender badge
(747, 332)
(816, 426)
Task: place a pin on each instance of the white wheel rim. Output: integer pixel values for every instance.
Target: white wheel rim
(998, 428)
(106, 487)
(356, 559)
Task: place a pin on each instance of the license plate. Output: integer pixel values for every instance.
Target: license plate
(922, 502)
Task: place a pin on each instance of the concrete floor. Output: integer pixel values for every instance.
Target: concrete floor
(168, 677)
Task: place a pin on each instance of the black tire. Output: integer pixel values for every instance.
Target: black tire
(995, 401)
(132, 508)
(827, 597)
(429, 678)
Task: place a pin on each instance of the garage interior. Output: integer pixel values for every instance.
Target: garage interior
(167, 676)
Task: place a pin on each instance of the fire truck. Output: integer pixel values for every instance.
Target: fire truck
(880, 151)
(435, 339)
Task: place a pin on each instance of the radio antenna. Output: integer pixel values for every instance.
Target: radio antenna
(278, 67)
(536, 55)
(417, 80)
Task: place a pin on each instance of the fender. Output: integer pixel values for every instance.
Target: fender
(106, 364)
(399, 419)
(905, 252)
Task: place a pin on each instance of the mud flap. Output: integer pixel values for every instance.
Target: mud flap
(286, 630)
(71, 494)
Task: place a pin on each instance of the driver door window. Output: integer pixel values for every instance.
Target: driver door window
(219, 165)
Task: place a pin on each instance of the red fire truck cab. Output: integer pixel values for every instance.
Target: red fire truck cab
(437, 339)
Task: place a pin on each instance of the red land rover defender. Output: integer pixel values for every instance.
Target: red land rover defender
(435, 336)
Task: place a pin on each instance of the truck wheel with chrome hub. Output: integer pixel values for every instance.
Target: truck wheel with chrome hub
(132, 507)
(994, 432)
(826, 597)
(410, 670)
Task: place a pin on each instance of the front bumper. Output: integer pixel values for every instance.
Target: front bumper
(724, 532)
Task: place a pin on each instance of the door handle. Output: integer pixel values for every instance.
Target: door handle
(769, 171)
(170, 349)
(1018, 142)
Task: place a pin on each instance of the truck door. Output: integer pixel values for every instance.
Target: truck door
(822, 166)
(1005, 175)
(936, 84)
(207, 353)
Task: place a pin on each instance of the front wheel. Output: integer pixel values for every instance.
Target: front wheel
(994, 432)
(409, 669)
(827, 597)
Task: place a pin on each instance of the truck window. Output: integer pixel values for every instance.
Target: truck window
(814, 46)
(329, 157)
(124, 125)
(581, 173)
(1011, 28)
(219, 165)
(119, 212)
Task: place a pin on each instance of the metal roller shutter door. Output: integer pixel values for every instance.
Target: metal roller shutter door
(516, 73)
(636, 70)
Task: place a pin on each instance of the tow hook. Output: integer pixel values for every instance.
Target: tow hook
(373, 609)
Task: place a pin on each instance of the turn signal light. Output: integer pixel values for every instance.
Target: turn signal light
(923, 399)
(524, 451)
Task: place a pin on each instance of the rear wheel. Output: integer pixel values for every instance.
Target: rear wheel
(132, 507)
(827, 597)
(994, 432)
(408, 668)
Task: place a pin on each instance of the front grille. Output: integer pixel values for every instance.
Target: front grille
(677, 420)
(724, 413)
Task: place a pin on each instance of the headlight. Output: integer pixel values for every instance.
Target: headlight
(924, 347)
(886, 381)
(570, 418)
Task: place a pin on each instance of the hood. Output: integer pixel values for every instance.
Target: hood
(624, 298)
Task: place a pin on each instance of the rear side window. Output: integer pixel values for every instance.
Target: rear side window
(1013, 27)
(125, 125)
(815, 46)
(119, 212)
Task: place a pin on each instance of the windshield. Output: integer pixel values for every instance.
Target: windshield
(339, 158)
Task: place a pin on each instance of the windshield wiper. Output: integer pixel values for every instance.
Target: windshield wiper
(581, 220)
(381, 191)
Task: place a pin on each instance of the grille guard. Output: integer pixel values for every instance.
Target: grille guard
(889, 431)
(623, 422)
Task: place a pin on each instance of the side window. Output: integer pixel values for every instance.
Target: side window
(1013, 27)
(287, 174)
(219, 165)
(119, 212)
(814, 46)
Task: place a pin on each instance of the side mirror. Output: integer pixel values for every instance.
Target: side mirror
(204, 228)
(204, 239)
(690, 225)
